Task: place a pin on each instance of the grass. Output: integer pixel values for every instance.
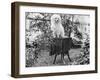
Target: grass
(43, 59)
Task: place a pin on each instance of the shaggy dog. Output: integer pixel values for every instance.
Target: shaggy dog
(56, 26)
(58, 32)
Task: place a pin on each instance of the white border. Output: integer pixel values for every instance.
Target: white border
(53, 69)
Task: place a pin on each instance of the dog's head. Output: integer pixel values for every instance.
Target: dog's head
(55, 19)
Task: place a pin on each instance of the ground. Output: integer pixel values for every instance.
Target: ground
(45, 60)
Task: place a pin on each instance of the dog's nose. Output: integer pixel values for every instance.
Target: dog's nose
(56, 20)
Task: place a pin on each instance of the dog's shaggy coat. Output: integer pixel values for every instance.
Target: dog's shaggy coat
(56, 26)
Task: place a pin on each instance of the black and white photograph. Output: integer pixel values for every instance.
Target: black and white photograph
(54, 39)
(51, 39)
